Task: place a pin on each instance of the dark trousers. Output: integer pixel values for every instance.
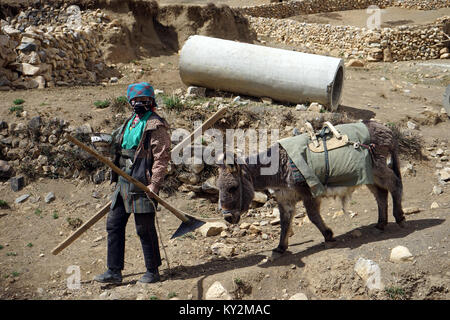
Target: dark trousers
(145, 228)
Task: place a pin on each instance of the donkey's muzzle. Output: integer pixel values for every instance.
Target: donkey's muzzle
(230, 216)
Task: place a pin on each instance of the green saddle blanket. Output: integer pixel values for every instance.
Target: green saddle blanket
(348, 166)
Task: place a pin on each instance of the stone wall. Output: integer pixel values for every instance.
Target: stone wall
(50, 47)
(38, 148)
(292, 8)
(389, 44)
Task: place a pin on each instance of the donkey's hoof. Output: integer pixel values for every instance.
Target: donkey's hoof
(279, 250)
(328, 235)
(276, 254)
(330, 243)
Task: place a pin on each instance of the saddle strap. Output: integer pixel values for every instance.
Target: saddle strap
(327, 161)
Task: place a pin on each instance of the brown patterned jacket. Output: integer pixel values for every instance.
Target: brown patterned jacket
(150, 162)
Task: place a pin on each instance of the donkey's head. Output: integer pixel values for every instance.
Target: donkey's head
(235, 188)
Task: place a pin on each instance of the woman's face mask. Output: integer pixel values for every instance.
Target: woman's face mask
(141, 107)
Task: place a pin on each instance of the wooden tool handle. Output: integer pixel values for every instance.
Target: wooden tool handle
(179, 214)
(82, 229)
(205, 126)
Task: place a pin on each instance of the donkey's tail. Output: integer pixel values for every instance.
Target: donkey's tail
(396, 162)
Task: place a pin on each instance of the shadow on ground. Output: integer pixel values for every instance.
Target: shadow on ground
(346, 240)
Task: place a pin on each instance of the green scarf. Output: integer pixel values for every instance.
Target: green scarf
(132, 136)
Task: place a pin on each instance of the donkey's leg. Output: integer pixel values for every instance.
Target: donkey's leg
(287, 210)
(396, 192)
(381, 195)
(385, 178)
(312, 207)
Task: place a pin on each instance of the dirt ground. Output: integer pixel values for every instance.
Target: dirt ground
(389, 17)
(389, 92)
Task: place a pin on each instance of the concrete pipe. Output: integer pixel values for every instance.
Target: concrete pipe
(253, 70)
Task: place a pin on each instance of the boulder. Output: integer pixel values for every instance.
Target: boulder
(387, 55)
(444, 174)
(245, 225)
(22, 198)
(35, 124)
(299, 296)
(211, 229)
(266, 100)
(315, 107)
(370, 273)
(217, 292)
(222, 249)
(27, 47)
(49, 197)
(400, 254)
(260, 197)
(355, 63)
(434, 205)
(209, 186)
(5, 169)
(40, 80)
(196, 91)
(437, 190)
(196, 166)
(28, 69)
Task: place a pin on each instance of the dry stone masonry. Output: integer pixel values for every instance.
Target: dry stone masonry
(38, 147)
(287, 9)
(48, 46)
(386, 44)
(389, 44)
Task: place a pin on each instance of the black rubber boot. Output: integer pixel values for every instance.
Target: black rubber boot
(110, 276)
(150, 277)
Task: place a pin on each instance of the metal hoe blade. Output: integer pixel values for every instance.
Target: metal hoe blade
(186, 227)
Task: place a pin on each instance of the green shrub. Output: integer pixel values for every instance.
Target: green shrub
(395, 293)
(119, 104)
(171, 295)
(18, 101)
(3, 204)
(17, 109)
(74, 223)
(172, 102)
(102, 104)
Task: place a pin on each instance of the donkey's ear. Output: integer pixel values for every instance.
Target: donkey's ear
(231, 167)
(227, 161)
(220, 159)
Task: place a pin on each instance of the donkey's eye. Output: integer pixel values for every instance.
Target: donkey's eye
(232, 189)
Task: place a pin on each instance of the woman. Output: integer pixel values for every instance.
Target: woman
(143, 151)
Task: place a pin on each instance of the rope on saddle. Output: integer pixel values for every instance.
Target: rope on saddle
(323, 134)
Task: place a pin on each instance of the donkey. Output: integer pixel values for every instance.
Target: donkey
(237, 183)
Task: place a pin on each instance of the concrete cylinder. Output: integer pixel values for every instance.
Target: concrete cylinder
(253, 70)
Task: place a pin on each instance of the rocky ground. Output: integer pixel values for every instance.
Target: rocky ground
(229, 262)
